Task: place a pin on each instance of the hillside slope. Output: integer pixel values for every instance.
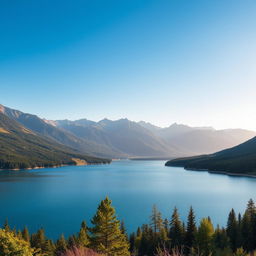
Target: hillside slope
(22, 148)
(46, 129)
(237, 160)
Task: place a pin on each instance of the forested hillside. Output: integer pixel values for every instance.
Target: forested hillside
(237, 160)
(21, 148)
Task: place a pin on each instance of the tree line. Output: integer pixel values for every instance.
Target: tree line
(160, 237)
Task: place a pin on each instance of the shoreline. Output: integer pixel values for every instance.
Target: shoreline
(222, 172)
(55, 166)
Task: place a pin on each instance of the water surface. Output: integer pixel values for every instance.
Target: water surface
(58, 199)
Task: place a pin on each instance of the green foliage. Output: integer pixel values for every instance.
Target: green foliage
(26, 235)
(232, 230)
(61, 245)
(10, 245)
(156, 220)
(109, 238)
(233, 160)
(83, 238)
(205, 236)
(176, 230)
(191, 230)
(106, 235)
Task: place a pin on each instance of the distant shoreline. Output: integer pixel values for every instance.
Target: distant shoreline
(222, 172)
(149, 158)
(55, 166)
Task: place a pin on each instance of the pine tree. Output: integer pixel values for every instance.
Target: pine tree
(190, 235)
(205, 236)
(156, 220)
(38, 240)
(25, 235)
(72, 242)
(251, 209)
(49, 248)
(147, 241)
(232, 230)
(61, 245)
(83, 238)
(139, 232)
(249, 223)
(176, 230)
(166, 226)
(132, 240)
(221, 240)
(6, 226)
(246, 232)
(106, 235)
(239, 231)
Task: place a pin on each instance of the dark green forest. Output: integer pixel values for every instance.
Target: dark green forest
(106, 235)
(237, 160)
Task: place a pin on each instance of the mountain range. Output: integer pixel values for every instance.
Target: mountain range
(22, 148)
(127, 139)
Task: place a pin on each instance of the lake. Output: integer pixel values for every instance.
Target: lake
(58, 199)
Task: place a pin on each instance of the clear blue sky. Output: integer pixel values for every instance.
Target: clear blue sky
(191, 62)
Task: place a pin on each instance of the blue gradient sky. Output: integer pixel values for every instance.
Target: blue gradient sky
(191, 62)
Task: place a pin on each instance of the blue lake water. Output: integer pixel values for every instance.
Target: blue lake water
(58, 199)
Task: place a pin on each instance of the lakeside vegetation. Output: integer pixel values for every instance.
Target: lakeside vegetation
(239, 160)
(161, 237)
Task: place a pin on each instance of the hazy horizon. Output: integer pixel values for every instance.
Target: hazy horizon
(137, 121)
(190, 62)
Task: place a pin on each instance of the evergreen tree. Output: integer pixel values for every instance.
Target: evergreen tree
(107, 237)
(132, 242)
(123, 230)
(83, 238)
(139, 232)
(190, 235)
(147, 241)
(61, 245)
(10, 245)
(72, 242)
(251, 209)
(166, 226)
(26, 235)
(239, 231)
(221, 240)
(232, 230)
(249, 227)
(204, 237)
(246, 232)
(156, 220)
(38, 240)
(49, 248)
(176, 230)
(138, 239)
(6, 226)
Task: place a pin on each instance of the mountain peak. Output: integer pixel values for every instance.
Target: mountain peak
(1, 108)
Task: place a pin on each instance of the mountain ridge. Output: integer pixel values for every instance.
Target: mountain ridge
(128, 139)
(21, 148)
